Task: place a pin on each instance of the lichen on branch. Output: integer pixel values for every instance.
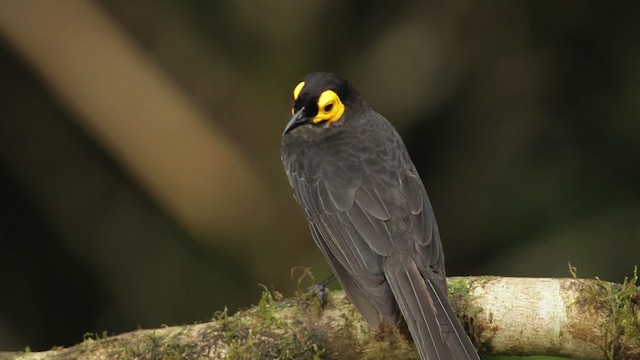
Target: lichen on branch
(579, 318)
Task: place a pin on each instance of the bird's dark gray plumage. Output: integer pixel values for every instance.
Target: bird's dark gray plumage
(370, 215)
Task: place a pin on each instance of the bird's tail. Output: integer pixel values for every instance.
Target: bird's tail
(426, 309)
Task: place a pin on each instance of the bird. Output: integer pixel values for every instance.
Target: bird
(369, 213)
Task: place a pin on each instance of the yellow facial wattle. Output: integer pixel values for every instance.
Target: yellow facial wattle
(330, 108)
(297, 89)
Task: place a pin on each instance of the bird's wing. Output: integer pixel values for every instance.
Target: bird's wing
(419, 282)
(337, 224)
(353, 289)
(373, 221)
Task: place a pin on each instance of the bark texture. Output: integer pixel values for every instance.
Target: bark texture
(584, 319)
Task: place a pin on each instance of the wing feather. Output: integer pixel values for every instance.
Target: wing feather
(342, 199)
(368, 199)
(373, 231)
(413, 190)
(355, 293)
(373, 221)
(349, 219)
(427, 312)
(359, 262)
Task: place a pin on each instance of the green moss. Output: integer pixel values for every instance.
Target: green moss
(622, 303)
(295, 332)
(460, 296)
(390, 343)
(267, 307)
(305, 291)
(272, 330)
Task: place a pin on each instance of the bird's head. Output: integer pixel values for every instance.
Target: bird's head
(322, 100)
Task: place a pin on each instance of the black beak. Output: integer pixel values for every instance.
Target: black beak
(296, 120)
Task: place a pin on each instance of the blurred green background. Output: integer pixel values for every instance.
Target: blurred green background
(140, 174)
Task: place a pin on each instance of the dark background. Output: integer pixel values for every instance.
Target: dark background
(149, 191)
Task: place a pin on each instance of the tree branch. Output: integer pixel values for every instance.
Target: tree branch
(587, 319)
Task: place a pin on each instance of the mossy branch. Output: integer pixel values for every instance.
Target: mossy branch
(585, 319)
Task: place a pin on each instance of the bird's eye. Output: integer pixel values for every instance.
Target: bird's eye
(328, 107)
